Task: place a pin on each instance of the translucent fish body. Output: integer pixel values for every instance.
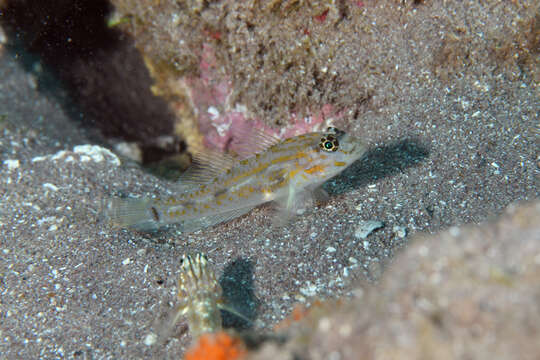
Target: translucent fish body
(199, 299)
(221, 188)
(200, 295)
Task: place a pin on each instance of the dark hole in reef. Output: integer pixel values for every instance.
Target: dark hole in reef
(97, 66)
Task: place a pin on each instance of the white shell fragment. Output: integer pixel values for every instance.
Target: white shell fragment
(331, 249)
(11, 164)
(49, 186)
(400, 231)
(96, 153)
(150, 339)
(130, 150)
(367, 227)
(309, 289)
(84, 153)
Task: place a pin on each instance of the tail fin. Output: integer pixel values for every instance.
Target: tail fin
(138, 214)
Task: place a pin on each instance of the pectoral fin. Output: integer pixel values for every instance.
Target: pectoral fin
(294, 203)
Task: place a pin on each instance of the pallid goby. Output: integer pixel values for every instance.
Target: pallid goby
(222, 187)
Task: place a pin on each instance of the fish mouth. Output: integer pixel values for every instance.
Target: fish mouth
(354, 146)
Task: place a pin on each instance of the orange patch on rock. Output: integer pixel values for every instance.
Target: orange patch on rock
(218, 346)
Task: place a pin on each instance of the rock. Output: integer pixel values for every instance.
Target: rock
(468, 292)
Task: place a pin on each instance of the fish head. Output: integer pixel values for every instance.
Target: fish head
(197, 275)
(333, 151)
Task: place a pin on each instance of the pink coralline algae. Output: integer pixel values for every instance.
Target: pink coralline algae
(220, 121)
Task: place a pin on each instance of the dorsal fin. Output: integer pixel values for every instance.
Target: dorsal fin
(206, 166)
(250, 141)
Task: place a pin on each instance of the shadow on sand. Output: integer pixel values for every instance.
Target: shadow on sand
(378, 163)
(239, 294)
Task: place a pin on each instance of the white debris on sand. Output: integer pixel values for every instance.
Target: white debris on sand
(50, 186)
(85, 153)
(96, 153)
(130, 150)
(150, 339)
(11, 164)
(400, 231)
(367, 227)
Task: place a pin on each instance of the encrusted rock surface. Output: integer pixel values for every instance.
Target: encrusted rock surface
(470, 292)
(297, 65)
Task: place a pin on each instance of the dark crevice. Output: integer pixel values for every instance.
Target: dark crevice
(99, 68)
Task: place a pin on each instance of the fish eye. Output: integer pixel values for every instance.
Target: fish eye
(184, 260)
(329, 143)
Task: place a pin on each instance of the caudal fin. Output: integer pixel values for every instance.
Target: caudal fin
(138, 214)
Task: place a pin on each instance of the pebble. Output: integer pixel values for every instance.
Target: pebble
(96, 154)
(331, 249)
(365, 228)
(309, 290)
(400, 231)
(11, 164)
(213, 112)
(150, 339)
(130, 150)
(50, 186)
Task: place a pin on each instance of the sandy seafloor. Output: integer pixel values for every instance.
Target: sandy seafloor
(70, 286)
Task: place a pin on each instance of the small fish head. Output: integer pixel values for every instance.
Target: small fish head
(333, 152)
(197, 278)
(200, 295)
